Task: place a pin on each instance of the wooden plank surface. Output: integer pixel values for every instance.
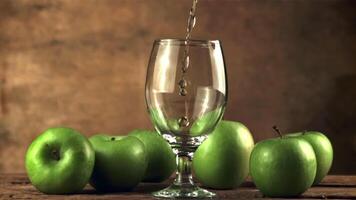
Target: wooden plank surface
(17, 186)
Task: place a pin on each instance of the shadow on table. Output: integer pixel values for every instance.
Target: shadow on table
(142, 188)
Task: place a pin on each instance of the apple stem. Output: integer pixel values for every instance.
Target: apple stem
(278, 131)
(55, 154)
(112, 139)
(304, 132)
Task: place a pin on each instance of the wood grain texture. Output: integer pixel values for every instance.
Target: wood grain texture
(17, 186)
(82, 64)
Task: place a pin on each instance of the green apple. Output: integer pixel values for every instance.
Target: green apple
(159, 119)
(282, 167)
(161, 159)
(60, 161)
(323, 152)
(120, 162)
(206, 122)
(222, 160)
(164, 124)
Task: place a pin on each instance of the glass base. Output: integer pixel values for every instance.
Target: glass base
(191, 191)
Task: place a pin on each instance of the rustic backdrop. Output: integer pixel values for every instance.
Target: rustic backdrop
(82, 64)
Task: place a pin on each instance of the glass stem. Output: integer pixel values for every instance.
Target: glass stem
(184, 174)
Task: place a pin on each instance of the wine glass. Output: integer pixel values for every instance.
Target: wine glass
(186, 94)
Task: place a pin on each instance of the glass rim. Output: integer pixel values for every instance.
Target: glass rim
(182, 42)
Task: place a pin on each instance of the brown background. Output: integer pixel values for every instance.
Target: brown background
(82, 64)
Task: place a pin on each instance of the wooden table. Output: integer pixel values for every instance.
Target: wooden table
(17, 186)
